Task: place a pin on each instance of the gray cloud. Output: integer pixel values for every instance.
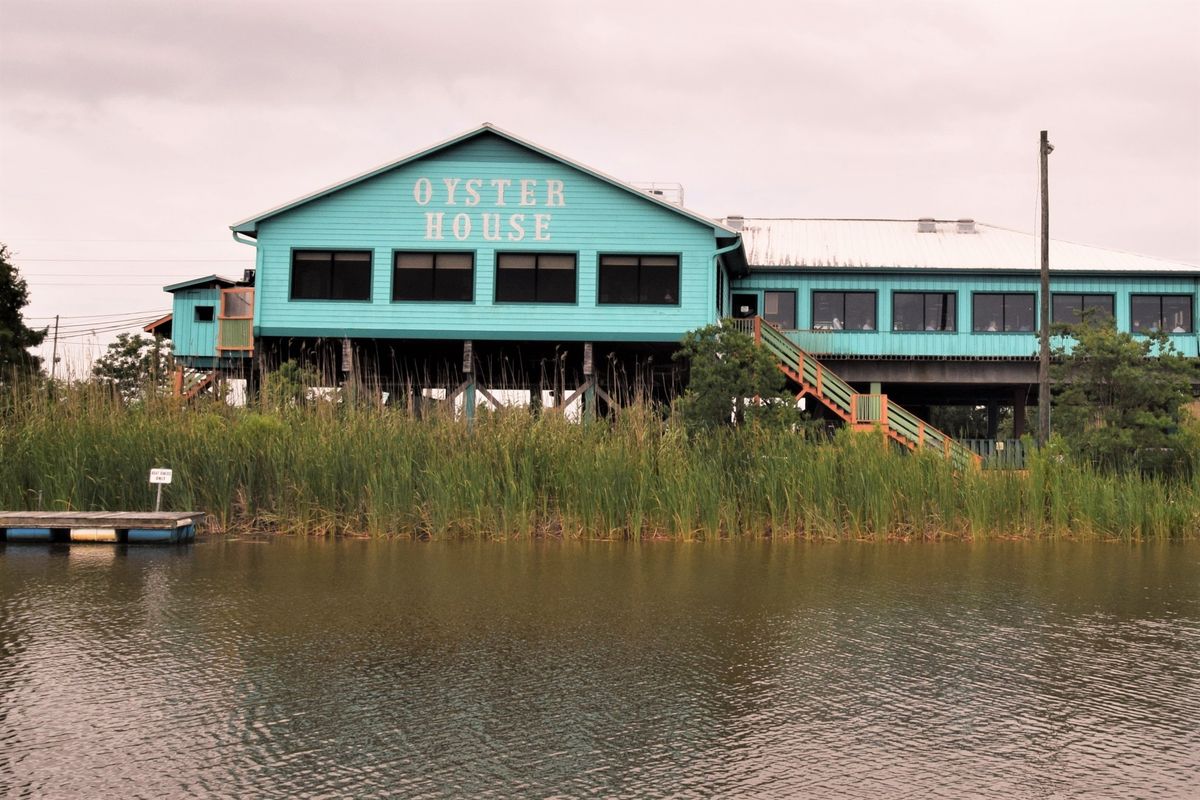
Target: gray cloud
(151, 120)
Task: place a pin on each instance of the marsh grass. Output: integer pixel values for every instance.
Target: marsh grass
(370, 470)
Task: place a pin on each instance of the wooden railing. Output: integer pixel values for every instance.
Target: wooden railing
(863, 411)
(998, 453)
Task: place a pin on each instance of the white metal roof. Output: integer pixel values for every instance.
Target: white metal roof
(885, 243)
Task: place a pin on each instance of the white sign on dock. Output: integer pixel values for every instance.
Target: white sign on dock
(160, 476)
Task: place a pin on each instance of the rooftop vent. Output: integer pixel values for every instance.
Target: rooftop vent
(737, 222)
(926, 225)
(667, 192)
(966, 226)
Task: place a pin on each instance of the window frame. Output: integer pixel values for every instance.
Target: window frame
(434, 254)
(874, 293)
(333, 251)
(1161, 318)
(535, 255)
(925, 310)
(795, 305)
(212, 313)
(639, 255)
(1004, 312)
(1082, 305)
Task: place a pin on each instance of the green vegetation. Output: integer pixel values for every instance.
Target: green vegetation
(725, 368)
(135, 366)
(1120, 399)
(15, 337)
(363, 469)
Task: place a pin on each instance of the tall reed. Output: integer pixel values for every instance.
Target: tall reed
(369, 469)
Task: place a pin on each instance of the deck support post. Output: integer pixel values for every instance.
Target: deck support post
(468, 368)
(589, 376)
(1018, 412)
(251, 366)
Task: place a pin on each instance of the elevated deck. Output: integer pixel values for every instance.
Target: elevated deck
(134, 527)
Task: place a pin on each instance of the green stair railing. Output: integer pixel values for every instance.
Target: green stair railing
(857, 409)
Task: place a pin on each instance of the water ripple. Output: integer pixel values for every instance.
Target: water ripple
(333, 669)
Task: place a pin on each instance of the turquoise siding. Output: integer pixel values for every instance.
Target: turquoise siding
(192, 338)
(885, 342)
(386, 213)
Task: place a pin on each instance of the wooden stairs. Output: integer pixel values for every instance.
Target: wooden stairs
(860, 411)
(190, 383)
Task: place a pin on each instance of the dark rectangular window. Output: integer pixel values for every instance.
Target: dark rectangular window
(1161, 312)
(645, 280)
(529, 278)
(331, 275)
(780, 308)
(434, 276)
(854, 311)
(1068, 309)
(924, 311)
(204, 313)
(1011, 313)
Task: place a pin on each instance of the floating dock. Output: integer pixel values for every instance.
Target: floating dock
(121, 527)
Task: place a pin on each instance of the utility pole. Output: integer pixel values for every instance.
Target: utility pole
(54, 351)
(1045, 149)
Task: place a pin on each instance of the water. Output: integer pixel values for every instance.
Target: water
(294, 668)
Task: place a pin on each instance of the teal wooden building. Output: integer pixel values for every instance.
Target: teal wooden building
(490, 256)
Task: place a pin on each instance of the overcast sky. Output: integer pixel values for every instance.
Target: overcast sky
(134, 132)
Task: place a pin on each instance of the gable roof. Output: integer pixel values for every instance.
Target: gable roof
(798, 244)
(160, 326)
(207, 280)
(249, 226)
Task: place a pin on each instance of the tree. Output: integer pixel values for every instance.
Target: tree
(135, 366)
(1119, 399)
(288, 385)
(15, 337)
(725, 367)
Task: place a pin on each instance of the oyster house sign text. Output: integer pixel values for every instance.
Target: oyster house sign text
(516, 207)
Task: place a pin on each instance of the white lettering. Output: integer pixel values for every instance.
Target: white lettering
(473, 185)
(497, 226)
(422, 191)
(517, 223)
(433, 224)
(491, 227)
(541, 227)
(527, 187)
(500, 184)
(462, 226)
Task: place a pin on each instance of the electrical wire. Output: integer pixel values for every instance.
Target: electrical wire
(136, 260)
(102, 316)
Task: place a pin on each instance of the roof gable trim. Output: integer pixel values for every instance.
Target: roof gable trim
(250, 224)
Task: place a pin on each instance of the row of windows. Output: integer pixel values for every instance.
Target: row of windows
(1000, 312)
(520, 277)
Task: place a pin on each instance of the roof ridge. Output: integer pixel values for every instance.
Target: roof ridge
(462, 137)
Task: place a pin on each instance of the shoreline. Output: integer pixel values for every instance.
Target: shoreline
(375, 471)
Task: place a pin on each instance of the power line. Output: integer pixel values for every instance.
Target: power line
(128, 241)
(116, 324)
(92, 283)
(139, 260)
(160, 312)
(28, 275)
